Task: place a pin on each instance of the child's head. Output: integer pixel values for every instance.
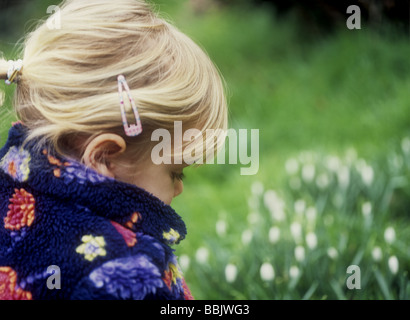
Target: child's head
(67, 91)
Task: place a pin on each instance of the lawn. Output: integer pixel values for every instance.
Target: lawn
(333, 183)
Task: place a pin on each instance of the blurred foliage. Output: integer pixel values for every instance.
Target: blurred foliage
(298, 241)
(321, 16)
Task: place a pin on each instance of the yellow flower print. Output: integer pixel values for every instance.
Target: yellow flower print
(92, 247)
(176, 273)
(172, 236)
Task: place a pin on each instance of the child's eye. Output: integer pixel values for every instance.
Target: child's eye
(179, 176)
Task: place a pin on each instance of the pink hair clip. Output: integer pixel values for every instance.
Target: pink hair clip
(131, 130)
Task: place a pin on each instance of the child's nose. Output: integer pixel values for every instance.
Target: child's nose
(178, 188)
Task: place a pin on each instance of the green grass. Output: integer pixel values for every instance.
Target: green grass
(347, 90)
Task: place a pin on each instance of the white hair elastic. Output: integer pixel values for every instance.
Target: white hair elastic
(14, 68)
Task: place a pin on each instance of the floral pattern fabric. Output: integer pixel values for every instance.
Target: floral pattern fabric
(16, 163)
(8, 286)
(130, 278)
(109, 240)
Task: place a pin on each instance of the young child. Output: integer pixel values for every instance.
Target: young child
(84, 210)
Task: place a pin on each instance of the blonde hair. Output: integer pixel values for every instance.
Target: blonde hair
(67, 90)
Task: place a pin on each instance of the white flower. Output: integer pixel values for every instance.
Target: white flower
(308, 172)
(300, 253)
(278, 214)
(366, 209)
(351, 155)
(343, 176)
(247, 236)
(231, 271)
(257, 188)
(300, 206)
(274, 204)
(253, 217)
(274, 234)
(294, 272)
(184, 262)
(332, 163)
(322, 181)
(311, 240)
(269, 198)
(377, 254)
(389, 235)
(396, 161)
(405, 145)
(393, 264)
(292, 166)
(367, 174)
(296, 231)
(267, 272)
(220, 227)
(332, 253)
(311, 214)
(307, 156)
(202, 255)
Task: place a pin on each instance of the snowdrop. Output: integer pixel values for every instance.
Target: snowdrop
(405, 145)
(292, 166)
(322, 181)
(253, 217)
(366, 209)
(231, 271)
(275, 205)
(389, 235)
(332, 163)
(311, 214)
(377, 254)
(269, 198)
(294, 272)
(247, 236)
(332, 253)
(184, 262)
(257, 188)
(221, 227)
(274, 234)
(366, 172)
(267, 272)
(202, 255)
(351, 155)
(311, 240)
(300, 253)
(296, 231)
(300, 206)
(343, 177)
(393, 263)
(308, 172)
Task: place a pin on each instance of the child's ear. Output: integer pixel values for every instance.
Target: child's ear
(101, 151)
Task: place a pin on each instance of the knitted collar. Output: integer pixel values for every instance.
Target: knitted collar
(46, 173)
